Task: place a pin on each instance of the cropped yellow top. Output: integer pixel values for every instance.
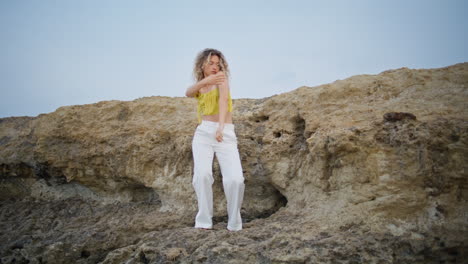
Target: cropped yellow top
(208, 103)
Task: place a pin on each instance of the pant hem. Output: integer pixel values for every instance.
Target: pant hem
(203, 226)
(234, 229)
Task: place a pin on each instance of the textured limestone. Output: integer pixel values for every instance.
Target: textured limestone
(367, 169)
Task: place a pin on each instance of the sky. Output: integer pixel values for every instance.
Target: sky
(59, 53)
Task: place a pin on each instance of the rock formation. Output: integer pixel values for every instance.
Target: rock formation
(370, 169)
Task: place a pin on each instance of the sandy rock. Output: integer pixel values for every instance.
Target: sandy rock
(370, 169)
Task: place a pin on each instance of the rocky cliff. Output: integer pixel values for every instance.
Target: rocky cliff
(370, 169)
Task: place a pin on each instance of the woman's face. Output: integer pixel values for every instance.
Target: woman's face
(212, 67)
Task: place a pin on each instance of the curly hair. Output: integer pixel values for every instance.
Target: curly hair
(204, 57)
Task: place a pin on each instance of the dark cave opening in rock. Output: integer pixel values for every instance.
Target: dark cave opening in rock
(281, 201)
(247, 216)
(261, 118)
(277, 134)
(140, 193)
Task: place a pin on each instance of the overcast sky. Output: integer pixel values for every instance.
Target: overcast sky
(57, 53)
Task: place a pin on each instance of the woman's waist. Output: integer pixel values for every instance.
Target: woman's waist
(215, 124)
(212, 110)
(212, 107)
(215, 117)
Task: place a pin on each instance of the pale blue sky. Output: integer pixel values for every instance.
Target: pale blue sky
(57, 53)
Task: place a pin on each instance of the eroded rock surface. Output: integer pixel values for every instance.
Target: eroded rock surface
(370, 169)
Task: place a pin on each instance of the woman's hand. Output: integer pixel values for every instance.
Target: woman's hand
(219, 134)
(213, 79)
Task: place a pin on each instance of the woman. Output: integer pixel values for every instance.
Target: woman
(215, 135)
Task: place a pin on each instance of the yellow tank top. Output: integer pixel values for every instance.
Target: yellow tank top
(208, 103)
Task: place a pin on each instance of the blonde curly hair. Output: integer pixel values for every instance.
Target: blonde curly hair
(204, 57)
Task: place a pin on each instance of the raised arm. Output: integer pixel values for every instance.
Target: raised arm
(193, 90)
(207, 81)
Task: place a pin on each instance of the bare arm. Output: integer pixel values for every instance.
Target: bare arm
(223, 105)
(207, 81)
(193, 90)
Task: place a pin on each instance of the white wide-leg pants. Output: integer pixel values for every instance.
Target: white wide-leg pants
(204, 146)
